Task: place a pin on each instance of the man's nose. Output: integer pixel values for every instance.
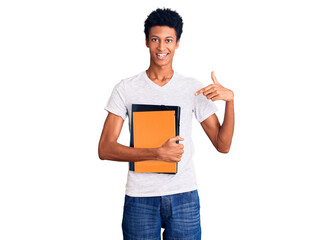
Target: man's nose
(161, 46)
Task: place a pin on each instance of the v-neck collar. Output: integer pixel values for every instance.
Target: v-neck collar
(154, 85)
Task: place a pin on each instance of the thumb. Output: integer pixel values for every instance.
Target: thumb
(214, 77)
(178, 138)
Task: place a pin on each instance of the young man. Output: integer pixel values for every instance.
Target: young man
(170, 201)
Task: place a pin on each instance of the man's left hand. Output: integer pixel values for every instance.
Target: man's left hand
(216, 91)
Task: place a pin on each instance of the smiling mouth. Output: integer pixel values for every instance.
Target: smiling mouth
(161, 55)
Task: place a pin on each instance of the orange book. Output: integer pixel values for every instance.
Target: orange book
(151, 126)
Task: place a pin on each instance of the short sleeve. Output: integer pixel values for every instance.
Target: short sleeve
(203, 107)
(116, 103)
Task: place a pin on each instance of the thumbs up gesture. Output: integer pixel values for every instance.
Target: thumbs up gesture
(216, 91)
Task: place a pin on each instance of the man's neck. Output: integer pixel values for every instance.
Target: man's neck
(160, 75)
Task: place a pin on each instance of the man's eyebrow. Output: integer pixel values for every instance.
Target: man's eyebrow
(159, 37)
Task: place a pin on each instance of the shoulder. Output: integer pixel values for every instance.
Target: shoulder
(190, 82)
(125, 83)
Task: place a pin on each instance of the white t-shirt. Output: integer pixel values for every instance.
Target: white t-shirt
(179, 91)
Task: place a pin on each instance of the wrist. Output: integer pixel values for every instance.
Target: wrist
(231, 97)
(157, 153)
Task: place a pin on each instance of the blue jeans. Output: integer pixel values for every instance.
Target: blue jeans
(178, 214)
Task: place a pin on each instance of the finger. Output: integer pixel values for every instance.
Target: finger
(214, 77)
(180, 138)
(214, 98)
(200, 91)
(212, 95)
(177, 138)
(203, 89)
(208, 91)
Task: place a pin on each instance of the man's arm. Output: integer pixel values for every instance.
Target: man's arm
(110, 149)
(220, 135)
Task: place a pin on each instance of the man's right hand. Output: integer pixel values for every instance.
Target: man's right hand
(171, 151)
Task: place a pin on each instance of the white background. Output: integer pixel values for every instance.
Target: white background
(59, 63)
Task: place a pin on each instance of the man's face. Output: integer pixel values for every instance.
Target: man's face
(162, 44)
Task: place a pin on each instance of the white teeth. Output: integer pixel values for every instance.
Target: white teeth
(162, 55)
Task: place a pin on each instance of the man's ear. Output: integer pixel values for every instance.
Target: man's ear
(177, 44)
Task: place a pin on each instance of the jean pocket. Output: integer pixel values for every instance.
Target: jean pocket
(195, 197)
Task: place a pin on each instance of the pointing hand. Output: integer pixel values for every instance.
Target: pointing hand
(216, 91)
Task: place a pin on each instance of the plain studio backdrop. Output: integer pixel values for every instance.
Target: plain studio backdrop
(60, 61)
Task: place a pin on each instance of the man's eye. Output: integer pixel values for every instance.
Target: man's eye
(154, 39)
(169, 40)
